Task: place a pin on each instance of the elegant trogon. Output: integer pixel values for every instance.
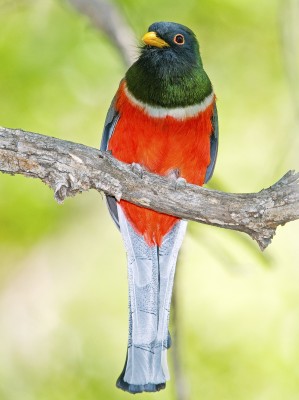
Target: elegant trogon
(163, 118)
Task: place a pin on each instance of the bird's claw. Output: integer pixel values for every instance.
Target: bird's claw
(137, 169)
(179, 183)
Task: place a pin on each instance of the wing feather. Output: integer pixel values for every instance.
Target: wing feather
(109, 126)
(213, 145)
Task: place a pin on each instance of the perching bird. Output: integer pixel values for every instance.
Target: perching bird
(163, 118)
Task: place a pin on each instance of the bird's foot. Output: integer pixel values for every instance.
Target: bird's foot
(137, 169)
(178, 183)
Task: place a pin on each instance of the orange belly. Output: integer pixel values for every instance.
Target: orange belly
(160, 145)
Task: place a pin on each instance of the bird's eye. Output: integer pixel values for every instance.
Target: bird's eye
(179, 39)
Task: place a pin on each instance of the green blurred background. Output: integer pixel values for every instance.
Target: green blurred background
(63, 287)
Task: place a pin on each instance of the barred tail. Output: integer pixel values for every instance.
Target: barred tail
(150, 274)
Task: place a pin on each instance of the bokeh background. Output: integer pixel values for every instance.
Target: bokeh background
(63, 287)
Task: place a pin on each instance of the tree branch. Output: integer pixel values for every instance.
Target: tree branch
(70, 168)
(106, 17)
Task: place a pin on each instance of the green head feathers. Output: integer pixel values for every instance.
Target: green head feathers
(169, 72)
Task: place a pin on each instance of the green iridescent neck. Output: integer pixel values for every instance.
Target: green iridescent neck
(168, 85)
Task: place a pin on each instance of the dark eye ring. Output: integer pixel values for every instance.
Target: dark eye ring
(179, 39)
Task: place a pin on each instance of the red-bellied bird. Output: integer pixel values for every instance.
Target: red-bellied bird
(163, 119)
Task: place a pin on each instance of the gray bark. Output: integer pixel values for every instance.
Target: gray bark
(106, 17)
(70, 168)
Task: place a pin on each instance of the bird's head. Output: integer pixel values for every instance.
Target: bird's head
(171, 42)
(169, 70)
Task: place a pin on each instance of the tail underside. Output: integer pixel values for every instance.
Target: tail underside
(150, 274)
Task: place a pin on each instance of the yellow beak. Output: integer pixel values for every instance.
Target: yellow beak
(151, 39)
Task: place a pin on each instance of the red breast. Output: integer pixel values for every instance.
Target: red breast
(160, 145)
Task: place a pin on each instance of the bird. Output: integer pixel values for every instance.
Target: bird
(163, 119)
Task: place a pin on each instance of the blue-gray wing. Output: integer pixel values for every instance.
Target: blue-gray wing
(213, 145)
(109, 126)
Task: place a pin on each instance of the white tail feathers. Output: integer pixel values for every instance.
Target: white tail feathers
(150, 275)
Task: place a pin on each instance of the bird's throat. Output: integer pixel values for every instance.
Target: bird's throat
(169, 87)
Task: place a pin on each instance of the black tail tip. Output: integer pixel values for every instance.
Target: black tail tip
(148, 387)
